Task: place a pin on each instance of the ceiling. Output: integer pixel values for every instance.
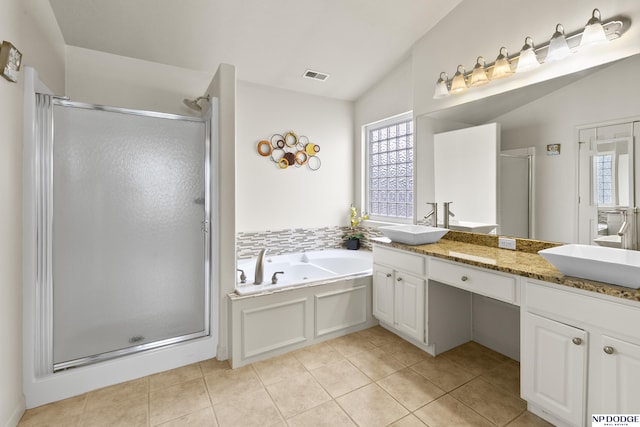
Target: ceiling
(271, 42)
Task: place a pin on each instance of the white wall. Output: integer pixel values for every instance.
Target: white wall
(609, 94)
(389, 97)
(33, 33)
(103, 78)
(269, 198)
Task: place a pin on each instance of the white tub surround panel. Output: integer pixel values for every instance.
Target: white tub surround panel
(270, 324)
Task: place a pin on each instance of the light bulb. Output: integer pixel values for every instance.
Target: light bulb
(502, 67)
(479, 74)
(558, 47)
(441, 90)
(528, 59)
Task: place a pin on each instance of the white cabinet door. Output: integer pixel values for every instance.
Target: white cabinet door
(383, 293)
(409, 305)
(554, 367)
(620, 361)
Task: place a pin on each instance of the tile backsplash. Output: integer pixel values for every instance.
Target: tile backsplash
(298, 240)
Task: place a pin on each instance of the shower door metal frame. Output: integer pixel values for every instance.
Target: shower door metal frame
(44, 232)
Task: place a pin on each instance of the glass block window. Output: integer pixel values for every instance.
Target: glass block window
(390, 169)
(604, 179)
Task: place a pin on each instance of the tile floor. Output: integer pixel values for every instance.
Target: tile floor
(369, 378)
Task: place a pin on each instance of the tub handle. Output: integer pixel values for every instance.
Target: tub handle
(274, 278)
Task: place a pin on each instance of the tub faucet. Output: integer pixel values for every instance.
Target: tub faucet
(259, 270)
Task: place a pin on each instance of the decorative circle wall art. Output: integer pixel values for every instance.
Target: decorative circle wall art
(290, 150)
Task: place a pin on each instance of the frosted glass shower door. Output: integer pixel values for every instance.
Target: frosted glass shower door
(129, 232)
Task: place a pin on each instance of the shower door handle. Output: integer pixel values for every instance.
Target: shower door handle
(205, 226)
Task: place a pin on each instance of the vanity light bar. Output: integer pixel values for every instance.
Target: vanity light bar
(613, 29)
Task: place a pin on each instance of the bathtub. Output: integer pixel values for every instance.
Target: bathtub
(303, 269)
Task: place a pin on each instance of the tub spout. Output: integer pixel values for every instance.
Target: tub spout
(259, 267)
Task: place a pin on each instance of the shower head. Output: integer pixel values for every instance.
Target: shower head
(193, 103)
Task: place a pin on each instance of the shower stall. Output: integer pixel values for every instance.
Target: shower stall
(121, 204)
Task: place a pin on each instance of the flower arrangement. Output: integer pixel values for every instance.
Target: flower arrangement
(353, 236)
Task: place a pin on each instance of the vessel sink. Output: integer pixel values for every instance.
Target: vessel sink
(609, 265)
(471, 227)
(414, 234)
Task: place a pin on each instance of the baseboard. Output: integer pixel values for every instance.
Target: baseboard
(17, 413)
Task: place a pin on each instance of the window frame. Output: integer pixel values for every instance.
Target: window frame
(408, 116)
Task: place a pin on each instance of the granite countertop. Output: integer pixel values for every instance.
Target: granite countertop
(482, 251)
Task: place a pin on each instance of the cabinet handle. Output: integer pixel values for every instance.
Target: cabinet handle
(577, 341)
(388, 274)
(608, 349)
(464, 278)
(399, 279)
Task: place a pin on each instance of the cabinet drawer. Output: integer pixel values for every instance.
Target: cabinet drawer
(401, 260)
(478, 281)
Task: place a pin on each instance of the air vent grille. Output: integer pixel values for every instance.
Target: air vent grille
(315, 75)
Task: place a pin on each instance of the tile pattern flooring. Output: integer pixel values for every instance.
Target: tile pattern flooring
(369, 378)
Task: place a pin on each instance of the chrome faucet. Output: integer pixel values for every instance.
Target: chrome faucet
(622, 232)
(447, 213)
(259, 270)
(433, 214)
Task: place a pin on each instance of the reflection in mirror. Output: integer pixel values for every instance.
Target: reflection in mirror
(607, 188)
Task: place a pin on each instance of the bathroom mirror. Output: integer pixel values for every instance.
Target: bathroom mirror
(606, 185)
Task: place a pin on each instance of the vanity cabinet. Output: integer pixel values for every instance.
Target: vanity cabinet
(580, 354)
(399, 284)
(554, 367)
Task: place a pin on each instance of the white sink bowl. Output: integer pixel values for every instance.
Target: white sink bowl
(414, 234)
(471, 227)
(609, 265)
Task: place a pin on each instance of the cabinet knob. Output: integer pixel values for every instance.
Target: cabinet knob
(577, 341)
(388, 274)
(399, 279)
(608, 349)
(464, 278)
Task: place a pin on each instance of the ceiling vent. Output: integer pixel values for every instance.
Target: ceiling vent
(315, 75)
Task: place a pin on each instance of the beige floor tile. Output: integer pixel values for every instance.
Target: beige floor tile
(475, 358)
(278, 368)
(174, 376)
(371, 406)
(178, 400)
(380, 337)
(65, 412)
(408, 421)
(490, 401)
(201, 418)
(350, 345)
(340, 378)
(251, 409)
(373, 366)
(127, 413)
(410, 388)
(528, 419)
(211, 365)
(318, 355)
(443, 372)
(447, 411)
(408, 354)
(117, 393)
(231, 383)
(506, 376)
(297, 394)
(327, 414)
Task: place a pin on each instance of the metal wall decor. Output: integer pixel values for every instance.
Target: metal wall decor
(290, 150)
